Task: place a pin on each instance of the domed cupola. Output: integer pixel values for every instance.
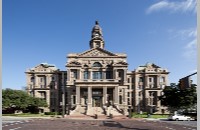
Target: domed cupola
(97, 37)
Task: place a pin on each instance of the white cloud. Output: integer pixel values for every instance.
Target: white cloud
(183, 34)
(183, 6)
(191, 50)
(188, 32)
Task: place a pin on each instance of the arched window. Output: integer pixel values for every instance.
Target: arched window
(86, 66)
(97, 64)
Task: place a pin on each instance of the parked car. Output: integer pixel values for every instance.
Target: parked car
(178, 117)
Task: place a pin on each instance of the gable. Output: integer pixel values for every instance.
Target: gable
(44, 67)
(121, 63)
(74, 63)
(97, 52)
(151, 65)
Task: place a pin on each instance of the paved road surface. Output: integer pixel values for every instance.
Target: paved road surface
(69, 124)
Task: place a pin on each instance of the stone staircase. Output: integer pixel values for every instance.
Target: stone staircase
(113, 111)
(95, 110)
(78, 111)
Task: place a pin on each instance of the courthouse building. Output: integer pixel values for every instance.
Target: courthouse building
(97, 81)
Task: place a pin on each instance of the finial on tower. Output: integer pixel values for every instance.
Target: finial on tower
(96, 37)
(96, 22)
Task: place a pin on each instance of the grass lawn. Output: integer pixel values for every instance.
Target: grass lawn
(27, 115)
(134, 115)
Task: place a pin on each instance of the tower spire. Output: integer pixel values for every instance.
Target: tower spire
(96, 22)
(97, 36)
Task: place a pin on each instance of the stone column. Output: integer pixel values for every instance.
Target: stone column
(166, 80)
(116, 96)
(77, 95)
(104, 95)
(47, 81)
(103, 74)
(158, 81)
(125, 78)
(114, 74)
(158, 101)
(36, 81)
(90, 74)
(146, 82)
(79, 74)
(68, 75)
(89, 97)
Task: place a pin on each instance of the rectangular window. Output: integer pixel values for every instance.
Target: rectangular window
(150, 79)
(108, 75)
(162, 79)
(120, 74)
(41, 79)
(74, 99)
(86, 74)
(140, 79)
(74, 73)
(97, 75)
(52, 78)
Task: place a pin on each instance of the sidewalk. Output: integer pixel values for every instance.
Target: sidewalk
(154, 119)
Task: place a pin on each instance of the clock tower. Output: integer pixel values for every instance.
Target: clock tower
(97, 37)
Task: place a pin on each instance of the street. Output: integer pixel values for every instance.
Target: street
(75, 124)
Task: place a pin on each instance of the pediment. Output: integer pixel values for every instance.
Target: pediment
(42, 68)
(97, 52)
(151, 65)
(74, 63)
(121, 63)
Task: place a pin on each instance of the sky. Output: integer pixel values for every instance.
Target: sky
(163, 32)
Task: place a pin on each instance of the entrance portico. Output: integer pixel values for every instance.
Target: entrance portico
(92, 96)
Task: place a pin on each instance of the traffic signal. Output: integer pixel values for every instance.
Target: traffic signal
(184, 83)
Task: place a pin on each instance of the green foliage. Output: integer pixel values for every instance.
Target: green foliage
(20, 100)
(176, 99)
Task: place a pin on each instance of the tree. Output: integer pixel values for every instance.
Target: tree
(20, 100)
(176, 99)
